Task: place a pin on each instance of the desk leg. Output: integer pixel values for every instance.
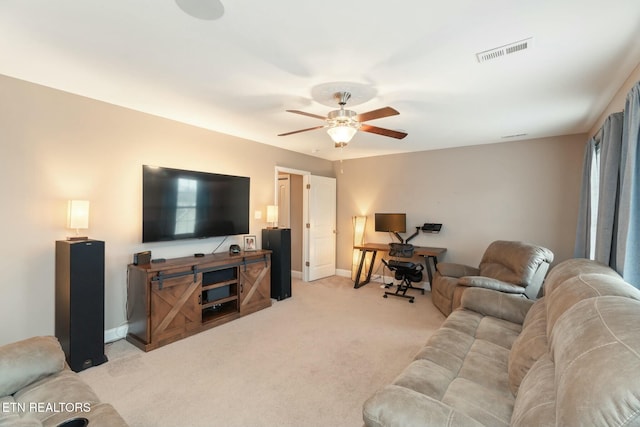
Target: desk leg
(363, 255)
(430, 270)
(373, 261)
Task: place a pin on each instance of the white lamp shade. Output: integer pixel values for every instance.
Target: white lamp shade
(272, 213)
(341, 134)
(78, 214)
(359, 223)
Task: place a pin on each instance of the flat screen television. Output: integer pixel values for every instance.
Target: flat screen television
(181, 204)
(392, 222)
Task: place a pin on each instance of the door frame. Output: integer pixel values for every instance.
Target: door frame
(305, 216)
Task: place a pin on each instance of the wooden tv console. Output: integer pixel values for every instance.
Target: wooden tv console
(180, 297)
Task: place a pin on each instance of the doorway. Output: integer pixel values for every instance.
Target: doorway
(311, 216)
(289, 192)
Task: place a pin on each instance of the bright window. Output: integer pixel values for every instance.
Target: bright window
(186, 206)
(595, 193)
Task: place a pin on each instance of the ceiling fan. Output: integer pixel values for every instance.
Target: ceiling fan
(343, 124)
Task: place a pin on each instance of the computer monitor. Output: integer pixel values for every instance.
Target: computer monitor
(391, 222)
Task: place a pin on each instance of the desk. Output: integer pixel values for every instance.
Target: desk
(429, 254)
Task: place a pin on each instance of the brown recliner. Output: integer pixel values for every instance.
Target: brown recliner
(506, 266)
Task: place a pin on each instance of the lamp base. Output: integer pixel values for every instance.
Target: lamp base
(76, 238)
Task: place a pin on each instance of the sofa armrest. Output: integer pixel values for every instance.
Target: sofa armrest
(488, 302)
(451, 269)
(99, 415)
(402, 407)
(490, 283)
(24, 362)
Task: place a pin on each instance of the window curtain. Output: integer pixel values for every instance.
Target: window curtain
(611, 157)
(610, 146)
(628, 248)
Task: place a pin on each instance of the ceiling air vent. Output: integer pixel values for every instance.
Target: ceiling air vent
(505, 50)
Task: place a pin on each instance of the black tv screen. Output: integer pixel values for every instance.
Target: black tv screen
(393, 222)
(180, 204)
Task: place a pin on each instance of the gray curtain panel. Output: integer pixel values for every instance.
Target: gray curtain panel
(628, 249)
(615, 203)
(608, 190)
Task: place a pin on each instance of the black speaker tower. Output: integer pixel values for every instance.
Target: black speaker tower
(278, 240)
(79, 317)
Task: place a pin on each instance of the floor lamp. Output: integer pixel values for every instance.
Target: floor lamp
(359, 223)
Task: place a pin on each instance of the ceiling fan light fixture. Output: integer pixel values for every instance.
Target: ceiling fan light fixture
(342, 132)
(342, 126)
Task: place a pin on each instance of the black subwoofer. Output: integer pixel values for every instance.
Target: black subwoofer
(79, 314)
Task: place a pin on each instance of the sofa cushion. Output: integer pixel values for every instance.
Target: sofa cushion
(484, 404)
(24, 362)
(536, 402)
(490, 283)
(530, 345)
(596, 349)
(402, 407)
(581, 287)
(496, 304)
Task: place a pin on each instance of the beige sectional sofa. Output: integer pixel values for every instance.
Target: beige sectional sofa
(37, 388)
(572, 358)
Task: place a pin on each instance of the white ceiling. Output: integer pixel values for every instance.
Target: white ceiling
(239, 73)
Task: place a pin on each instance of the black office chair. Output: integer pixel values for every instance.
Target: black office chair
(406, 272)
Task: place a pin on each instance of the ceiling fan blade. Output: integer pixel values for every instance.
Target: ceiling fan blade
(315, 116)
(377, 114)
(384, 132)
(301, 130)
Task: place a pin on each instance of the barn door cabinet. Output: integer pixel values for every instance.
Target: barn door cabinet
(183, 296)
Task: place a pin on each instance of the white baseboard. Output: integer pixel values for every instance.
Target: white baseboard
(296, 274)
(343, 273)
(116, 334)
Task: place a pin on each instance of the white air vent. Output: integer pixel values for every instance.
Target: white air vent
(508, 49)
(515, 135)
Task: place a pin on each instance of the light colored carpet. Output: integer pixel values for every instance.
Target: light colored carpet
(309, 360)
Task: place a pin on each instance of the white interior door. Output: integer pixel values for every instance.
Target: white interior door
(320, 201)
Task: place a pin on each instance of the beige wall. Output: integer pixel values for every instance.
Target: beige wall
(514, 191)
(56, 146)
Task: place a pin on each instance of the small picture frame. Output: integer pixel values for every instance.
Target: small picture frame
(250, 243)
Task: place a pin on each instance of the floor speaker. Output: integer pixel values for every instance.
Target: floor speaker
(79, 314)
(278, 240)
